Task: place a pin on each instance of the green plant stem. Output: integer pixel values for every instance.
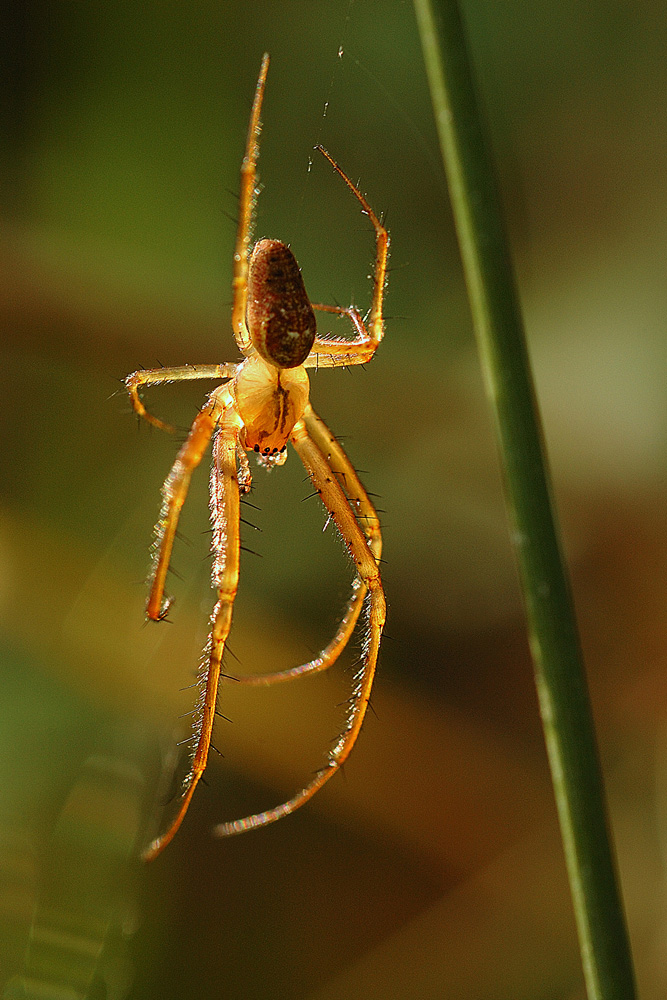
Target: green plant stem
(554, 641)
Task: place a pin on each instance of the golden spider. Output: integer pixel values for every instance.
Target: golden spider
(261, 405)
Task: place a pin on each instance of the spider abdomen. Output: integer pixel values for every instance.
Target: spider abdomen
(280, 317)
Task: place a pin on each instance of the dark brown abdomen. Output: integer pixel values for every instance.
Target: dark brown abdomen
(281, 321)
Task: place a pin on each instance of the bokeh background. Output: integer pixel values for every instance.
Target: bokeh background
(432, 867)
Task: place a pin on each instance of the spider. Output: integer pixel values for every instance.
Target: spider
(261, 405)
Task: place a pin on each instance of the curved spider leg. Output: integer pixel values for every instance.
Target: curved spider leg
(355, 353)
(335, 501)
(225, 515)
(334, 352)
(247, 196)
(158, 376)
(174, 493)
(370, 525)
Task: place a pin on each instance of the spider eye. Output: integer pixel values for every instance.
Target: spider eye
(281, 320)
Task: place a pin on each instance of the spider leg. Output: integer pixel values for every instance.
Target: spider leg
(332, 352)
(335, 501)
(247, 197)
(225, 514)
(375, 323)
(158, 376)
(369, 524)
(174, 493)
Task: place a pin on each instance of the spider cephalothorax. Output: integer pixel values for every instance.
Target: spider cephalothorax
(262, 405)
(269, 400)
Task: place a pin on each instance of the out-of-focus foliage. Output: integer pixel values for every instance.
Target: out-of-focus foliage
(123, 128)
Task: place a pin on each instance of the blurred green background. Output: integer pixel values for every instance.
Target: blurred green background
(432, 867)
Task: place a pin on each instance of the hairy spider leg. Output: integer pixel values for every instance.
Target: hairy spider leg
(239, 280)
(159, 376)
(174, 493)
(247, 196)
(328, 352)
(337, 352)
(334, 499)
(225, 517)
(370, 525)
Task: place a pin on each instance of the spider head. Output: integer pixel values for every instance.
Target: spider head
(280, 317)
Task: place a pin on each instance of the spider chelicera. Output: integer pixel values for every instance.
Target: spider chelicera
(261, 405)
